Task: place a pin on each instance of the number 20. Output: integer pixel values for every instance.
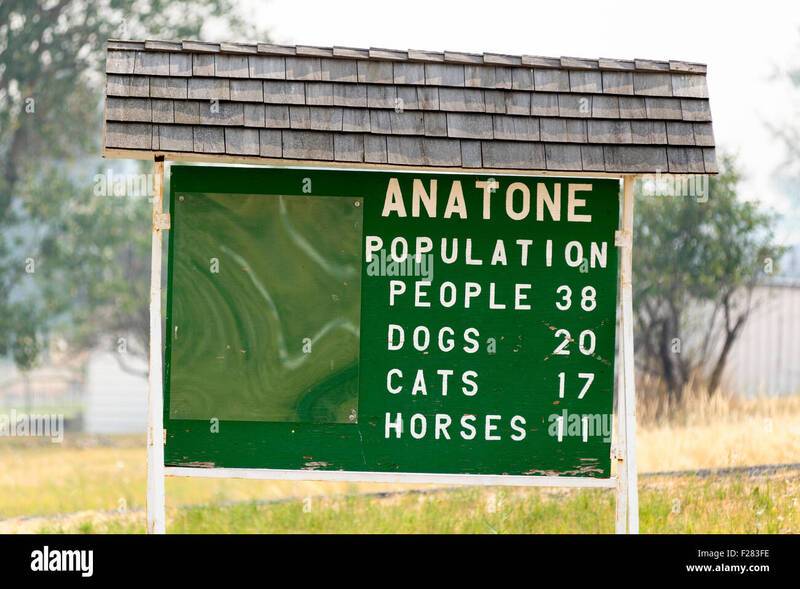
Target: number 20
(586, 342)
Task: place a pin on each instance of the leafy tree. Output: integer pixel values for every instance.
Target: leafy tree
(696, 263)
(70, 259)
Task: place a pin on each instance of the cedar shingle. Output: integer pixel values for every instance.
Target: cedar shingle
(380, 122)
(151, 63)
(339, 70)
(544, 104)
(221, 113)
(617, 82)
(592, 158)
(631, 107)
(435, 124)
(680, 133)
(471, 154)
(695, 110)
(254, 115)
(276, 92)
(405, 150)
(518, 103)
(169, 88)
(560, 156)
(268, 68)
(689, 86)
(606, 131)
(575, 105)
(131, 86)
(128, 109)
(355, 120)
(202, 64)
(634, 158)
(381, 96)
(409, 73)
(241, 141)
(319, 94)
(515, 128)
(428, 98)
(585, 81)
(270, 143)
(129, 135)
(375, 149)
(162, 111)
(407, 98)
(461, 100)
(469, 126)
(522, 78)
(276, 116)
(494, 101)
(441, 152)
(703, 134)
(663, 108)
(209, 89)
(307, 145)
(645, 84)
(247, 90)
(120, 62)
(710, 160)
(649, 132)
(187, 112)
(407, 123)
(231, 66)
(350, 95)
(348, 148)
(303, 68)
(605, 107)
(513, 154)
(550, 80)
(175, 138)
(375, 72)
(180, 64)
(686, 160)
(209, 139)
(444, 74)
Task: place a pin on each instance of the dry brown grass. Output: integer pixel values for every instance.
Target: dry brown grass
(719, 431)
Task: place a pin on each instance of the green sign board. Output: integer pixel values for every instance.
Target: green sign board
(390, 322)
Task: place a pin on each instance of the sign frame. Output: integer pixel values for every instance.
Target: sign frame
(623, 448)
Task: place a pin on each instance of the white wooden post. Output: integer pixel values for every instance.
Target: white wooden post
(627, 492)
(156, 509)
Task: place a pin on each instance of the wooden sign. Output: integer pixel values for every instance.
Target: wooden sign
(413, 324)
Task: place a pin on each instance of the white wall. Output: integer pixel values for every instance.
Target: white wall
(116, 401)
(766, 357)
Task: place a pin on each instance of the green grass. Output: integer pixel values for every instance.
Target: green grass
(668, 505)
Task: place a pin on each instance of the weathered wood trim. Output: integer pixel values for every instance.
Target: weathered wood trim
(222, 158)
(390, 477)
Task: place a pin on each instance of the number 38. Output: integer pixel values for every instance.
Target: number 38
(588, 298)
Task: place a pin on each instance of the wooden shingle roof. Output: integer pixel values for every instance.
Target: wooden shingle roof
(414, 108)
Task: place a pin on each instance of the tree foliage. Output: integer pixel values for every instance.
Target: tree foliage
(70, 259)
(696, 263)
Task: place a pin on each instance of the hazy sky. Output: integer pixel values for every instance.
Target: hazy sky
(745, 44)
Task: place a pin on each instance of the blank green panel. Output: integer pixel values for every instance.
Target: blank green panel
(265, 310)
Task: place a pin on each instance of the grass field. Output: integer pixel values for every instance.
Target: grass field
(90, 484)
